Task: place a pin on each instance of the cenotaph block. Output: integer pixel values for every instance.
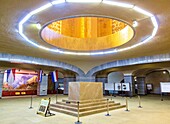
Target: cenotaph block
(85, 90)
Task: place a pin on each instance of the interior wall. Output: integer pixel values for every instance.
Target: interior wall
(43, 86)
(155, 78)
(53, 87)
(60, 81)
(60, 75)
(141, 85)
(101, 78)
(63, 81)
(1, 83)
(115, 77)
(68, 78)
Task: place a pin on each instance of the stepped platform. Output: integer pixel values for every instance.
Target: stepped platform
(86, 107)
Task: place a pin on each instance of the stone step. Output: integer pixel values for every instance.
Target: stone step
(85, 104)
(95, 103)
(87, 107)
(86, 113)
(74, 108)
(67, 104)
(64, 107)
(95, 111)
(65, 111)
(83, 101)
(98, 107)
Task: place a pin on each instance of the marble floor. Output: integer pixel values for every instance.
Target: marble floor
(15, 110)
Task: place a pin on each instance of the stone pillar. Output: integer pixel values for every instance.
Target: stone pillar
(128, 78)
(1, 83)
(85, 78)
(70, 78)
(103, 80)
(141, 85)
(168, 71)
(43, 86)
(66, 83)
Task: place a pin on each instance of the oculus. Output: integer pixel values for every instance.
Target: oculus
(87, 33)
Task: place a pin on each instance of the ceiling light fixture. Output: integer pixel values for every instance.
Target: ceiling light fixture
(142, 11)
(135, 23)
(26, 18)
(57, 2)
(118, 4)
(40, 9)
(84, 1)
(155, 24)
(38, 25)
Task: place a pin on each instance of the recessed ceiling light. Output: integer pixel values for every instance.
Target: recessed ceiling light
(38, 25)
(135, 23)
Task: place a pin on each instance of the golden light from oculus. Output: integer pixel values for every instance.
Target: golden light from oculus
(87, 27)
(87, 33)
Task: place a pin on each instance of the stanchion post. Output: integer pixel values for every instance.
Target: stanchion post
(56, 97)
(127, 105)
(161, 96)
(139, 98)
(107, 108)
(31, 103)
(111, 96)
(56, 94)
(78, 115)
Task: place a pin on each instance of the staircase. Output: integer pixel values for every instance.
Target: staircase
(86, 107)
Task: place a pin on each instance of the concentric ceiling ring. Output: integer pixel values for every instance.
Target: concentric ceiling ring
(26, 18)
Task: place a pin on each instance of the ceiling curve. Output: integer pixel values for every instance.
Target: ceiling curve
(120, 5)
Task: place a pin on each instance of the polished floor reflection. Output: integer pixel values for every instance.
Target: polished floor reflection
(15, 110)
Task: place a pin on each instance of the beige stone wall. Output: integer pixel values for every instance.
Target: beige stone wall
(85, 90)
(155, 78)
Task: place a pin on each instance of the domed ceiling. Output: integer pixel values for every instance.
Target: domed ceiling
(90, 33)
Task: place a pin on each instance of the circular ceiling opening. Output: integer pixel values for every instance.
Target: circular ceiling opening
(87, 27)
(87, 33)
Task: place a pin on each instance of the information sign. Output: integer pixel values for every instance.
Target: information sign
(43, 107)
(165, 87)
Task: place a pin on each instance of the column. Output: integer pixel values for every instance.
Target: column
(128, 78)
(70, 78)
(43, 86)
(103, 79)
(67, 79)
(86, 78)
(168, 70)
(1, 83)
(141, 85)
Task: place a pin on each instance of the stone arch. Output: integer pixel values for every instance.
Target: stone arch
(127, 62)
(39, 61)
